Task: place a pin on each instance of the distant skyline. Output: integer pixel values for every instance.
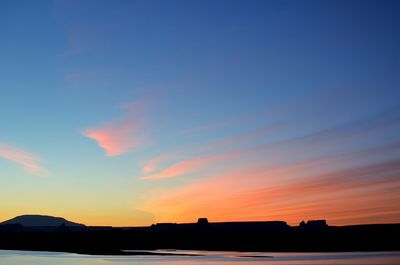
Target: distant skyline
(130, 113)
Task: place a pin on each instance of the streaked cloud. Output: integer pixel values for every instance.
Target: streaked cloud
(29, 162)
(298, 105)
(273, 137)
(358, 194)
(179, 169)
(215, 146)
(338, 173)
(270, 153)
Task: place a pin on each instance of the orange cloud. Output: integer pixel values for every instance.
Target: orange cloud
(120, 135)
(197, 164)
(25, 159)
(273, 151)
(117, 138)
(228, 141)
(148, 168)
(311, 176)
(367, 194)
(180, 168)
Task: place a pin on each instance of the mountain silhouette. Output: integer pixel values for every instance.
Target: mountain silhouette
(40, 220)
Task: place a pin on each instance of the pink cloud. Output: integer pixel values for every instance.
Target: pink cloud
(115, 139)
(180, 168)
(361, 194)
(193, 165)
(308, 176)
(228, 141)
(120, 135)
(272, 154)
(25, 159)
(318, 187)
(147, 169)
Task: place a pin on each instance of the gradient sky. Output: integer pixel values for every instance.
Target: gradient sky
(135, 112)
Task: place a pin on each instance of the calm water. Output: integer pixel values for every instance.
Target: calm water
(209, 258)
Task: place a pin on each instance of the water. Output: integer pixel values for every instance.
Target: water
(210, 258)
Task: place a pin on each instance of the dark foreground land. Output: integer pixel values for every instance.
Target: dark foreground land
(277, 236)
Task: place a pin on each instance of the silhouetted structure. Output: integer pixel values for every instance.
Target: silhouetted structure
(202, 221)
(315, 235)
(313, 224)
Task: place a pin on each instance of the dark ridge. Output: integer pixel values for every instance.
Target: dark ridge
(271, 236)
(39, 221)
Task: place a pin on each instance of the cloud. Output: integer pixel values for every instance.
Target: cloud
(360, 194)
(346, 172)
(195, 164)
(78, 37)
(116, 139)
(122, 134)
(25, 159)
(345, 187)
(179, 169)
(309, 145)
(214, 146)
(299, 106)
(270, 144)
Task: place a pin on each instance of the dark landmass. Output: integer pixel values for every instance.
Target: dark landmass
(40, 221)
(272, 236)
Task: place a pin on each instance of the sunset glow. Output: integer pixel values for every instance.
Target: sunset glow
(136, 112)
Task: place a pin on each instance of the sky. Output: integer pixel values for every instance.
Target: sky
(129, 113)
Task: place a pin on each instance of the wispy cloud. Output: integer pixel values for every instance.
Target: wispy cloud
(301, 105)
(339, 173)
(180, 168)
(306, 144)
(28, 161)
(267, 136)
(359, 194)
(122, 134)
(78, 37)
(199, 150)
(116, 138)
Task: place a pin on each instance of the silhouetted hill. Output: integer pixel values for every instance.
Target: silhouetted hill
(40, 220)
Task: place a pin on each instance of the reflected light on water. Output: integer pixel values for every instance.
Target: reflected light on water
(208, 257)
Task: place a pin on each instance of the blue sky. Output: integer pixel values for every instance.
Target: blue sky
(192, 90)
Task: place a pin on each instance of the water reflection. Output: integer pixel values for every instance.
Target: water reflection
(210, 258)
